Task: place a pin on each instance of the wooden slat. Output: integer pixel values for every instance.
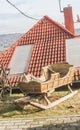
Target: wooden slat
(41, 106)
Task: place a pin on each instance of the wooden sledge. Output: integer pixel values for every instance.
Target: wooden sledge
(44, 87)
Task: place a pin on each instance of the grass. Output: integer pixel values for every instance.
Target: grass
(69, 107)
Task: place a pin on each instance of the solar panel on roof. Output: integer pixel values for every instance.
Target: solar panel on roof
(20, 59)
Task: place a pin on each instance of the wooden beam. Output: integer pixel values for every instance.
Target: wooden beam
(46, 99)
(44, 107)
(70, 88)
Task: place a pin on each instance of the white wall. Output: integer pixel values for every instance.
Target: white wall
(73, 51)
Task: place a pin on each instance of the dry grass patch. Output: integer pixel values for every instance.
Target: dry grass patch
(67, 108)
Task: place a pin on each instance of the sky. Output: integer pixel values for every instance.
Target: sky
(11, 21)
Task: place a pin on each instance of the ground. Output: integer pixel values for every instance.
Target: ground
(67, 108)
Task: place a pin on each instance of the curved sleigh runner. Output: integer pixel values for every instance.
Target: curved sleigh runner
(35, 89)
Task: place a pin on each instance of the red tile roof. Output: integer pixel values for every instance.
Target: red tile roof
(48, 38)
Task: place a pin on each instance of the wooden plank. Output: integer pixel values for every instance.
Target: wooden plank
(70, 88)
(22, 100)
(41, 106)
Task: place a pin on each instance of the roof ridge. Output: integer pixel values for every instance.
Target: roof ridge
(58, 24)
(25, 34)
(53, 21)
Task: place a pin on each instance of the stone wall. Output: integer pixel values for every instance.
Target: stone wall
(50, 123)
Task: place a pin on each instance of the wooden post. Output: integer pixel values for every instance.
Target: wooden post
(46, 99)
(70, 88)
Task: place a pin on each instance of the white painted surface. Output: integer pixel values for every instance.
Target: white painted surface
(20, 59)
(73, 51)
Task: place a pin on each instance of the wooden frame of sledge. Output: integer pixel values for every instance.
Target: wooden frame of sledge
(45, 88)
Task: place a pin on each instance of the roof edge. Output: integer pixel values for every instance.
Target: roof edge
(59, 25)
(47, 17)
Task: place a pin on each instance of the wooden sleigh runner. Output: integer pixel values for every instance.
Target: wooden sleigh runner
(35, 89)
